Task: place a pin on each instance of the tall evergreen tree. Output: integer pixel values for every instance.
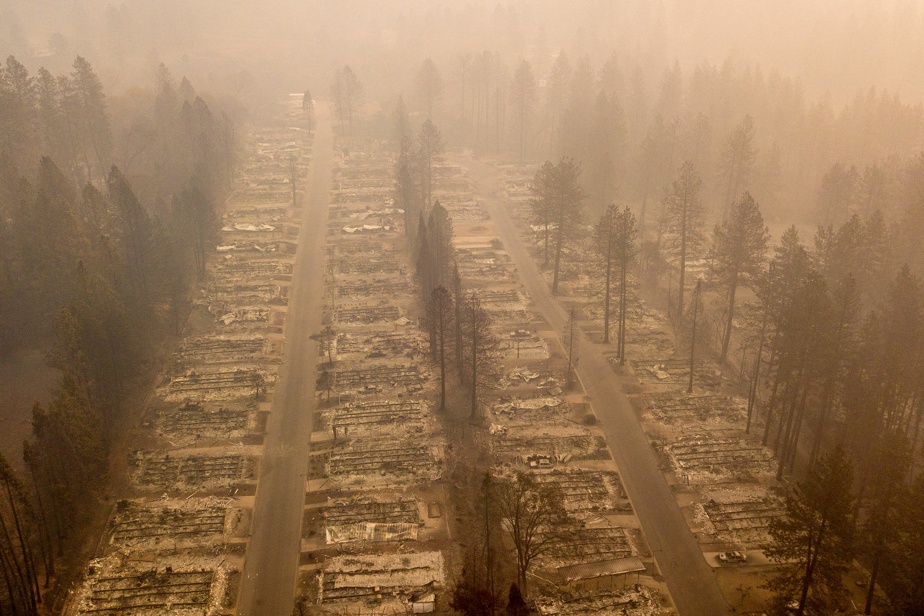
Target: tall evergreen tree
(479, 351)
(523, 94)
(92, 118)
(429, 85)
(615, 243)
(440, 321)
(813, 539)
(556, 201)
(684, 217)
(136, 233)
(739, 156)
(430, 147)
(739, 246)
(441, 249)
(347, 94)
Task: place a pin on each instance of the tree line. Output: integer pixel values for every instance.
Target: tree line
(842, 326)
(94, 273)
(744, 129)
(465, 350)
(461, 340)
(830, 348)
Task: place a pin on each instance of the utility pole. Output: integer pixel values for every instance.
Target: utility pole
(332, 269)
(570, 345)
(752, 394)
(293, 177)
(693, 336)
(486, 486)
(474, 383)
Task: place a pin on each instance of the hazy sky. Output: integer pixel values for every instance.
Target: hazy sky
(835, 46)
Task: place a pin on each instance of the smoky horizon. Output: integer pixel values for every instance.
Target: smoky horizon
(461, 307)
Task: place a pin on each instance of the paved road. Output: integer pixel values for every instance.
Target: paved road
(690, 579)
(271, 566)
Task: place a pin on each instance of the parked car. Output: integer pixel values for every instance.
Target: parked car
(733, 557)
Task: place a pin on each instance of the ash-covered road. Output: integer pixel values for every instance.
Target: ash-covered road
(690, 579)
(271, 565)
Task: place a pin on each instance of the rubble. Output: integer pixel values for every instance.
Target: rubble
(199, 419)
(677, 408)
(360, 519)
(194, 471)
(220, 349)
(220, 384)
(366, 315)
(381, 433)
(200, 436)
(374, 461)
(576, 546)
(741, 515)
(181, 586)
(376, 418)
(676, 371)
(588, 490)
(169, 524)
(380, 345)
(635, 600)
(369, 266)
(556, 438)
(380, 379)
(707, 459)
(388, 578)
(371, 288)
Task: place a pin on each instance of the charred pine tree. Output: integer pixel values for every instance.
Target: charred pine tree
(68, 437)
(892, 460)
(440, 235)
(479, 353)
(605, 242)
(476, 592)
(430, 146)
(425, 266)
(308, 109)
(813, 539)
(457, 301)
(19, 574)
(541, 204)
(136, 233)
(683, 222)
(835, 357)
(556, 203)
(45, 541)
(739, 245)
(626, 253)
(807, 328)
(789, 267)
(347, 95)
(405, 192)
(440, 322)
(739, 156)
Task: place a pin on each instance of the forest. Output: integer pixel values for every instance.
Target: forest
(822, 320)
(107, 213)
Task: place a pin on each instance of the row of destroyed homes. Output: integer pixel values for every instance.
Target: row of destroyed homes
(722, 476)
(379, 534)
(375, 538)
(542, 425)
(176, 538)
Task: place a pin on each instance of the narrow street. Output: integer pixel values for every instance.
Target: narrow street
(691, 581)
(268, 586)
